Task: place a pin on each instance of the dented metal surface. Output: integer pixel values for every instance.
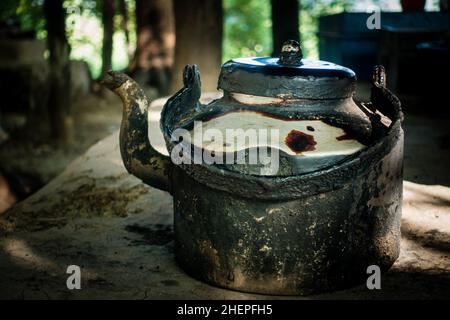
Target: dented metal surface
(293, 234)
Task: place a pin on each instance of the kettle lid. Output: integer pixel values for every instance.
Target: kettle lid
(288, 77)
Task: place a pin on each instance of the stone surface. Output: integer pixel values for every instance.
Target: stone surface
(119, 231)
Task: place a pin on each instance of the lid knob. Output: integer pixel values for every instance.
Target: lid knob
(291, 53)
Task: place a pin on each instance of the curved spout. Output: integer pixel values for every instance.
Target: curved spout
(138, 155)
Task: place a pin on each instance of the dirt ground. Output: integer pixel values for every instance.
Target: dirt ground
(94, 117)
(119, 231)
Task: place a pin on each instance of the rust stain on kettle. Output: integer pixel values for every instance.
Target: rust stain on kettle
(299, 141)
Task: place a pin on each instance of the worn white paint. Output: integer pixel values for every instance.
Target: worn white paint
(255, 100)
(123, 91)
(142, 104)
(324, 134)
(125, 86)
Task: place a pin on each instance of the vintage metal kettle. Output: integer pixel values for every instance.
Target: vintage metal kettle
(332, 207)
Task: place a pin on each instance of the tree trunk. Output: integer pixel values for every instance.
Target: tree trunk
(153, 58)
(285, 23)
(59, 79)
(198, 29)
(108, 9)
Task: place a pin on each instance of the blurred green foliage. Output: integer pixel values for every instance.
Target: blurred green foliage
(85, 34)
(247, 28)
(83, 27)
(25, 14)
(310, 12)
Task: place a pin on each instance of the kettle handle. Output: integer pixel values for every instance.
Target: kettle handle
(382, 98)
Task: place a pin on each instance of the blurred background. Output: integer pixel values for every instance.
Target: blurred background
(52, 54)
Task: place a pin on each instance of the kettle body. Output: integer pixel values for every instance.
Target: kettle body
(300, 230)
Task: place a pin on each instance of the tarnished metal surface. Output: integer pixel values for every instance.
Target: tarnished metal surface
(138, 155)
(310, 244)
(297, 234)
(183, 109)
(236, 76)
(237, 232)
